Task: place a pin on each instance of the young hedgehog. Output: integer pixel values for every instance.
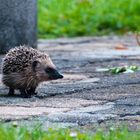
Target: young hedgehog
(24, 68)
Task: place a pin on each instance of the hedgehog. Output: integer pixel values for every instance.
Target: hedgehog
(24, 68)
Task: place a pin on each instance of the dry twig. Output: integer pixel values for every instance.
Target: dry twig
(137, 38)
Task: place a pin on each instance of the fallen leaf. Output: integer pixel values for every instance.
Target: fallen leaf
(121, 47)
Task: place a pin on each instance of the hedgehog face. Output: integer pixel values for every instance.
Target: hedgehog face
(45, 72)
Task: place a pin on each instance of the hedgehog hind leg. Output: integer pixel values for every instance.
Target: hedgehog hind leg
(11, 91)
(24, 93)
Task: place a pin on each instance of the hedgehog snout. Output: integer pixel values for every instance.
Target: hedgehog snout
(55, 75)
(60, 76)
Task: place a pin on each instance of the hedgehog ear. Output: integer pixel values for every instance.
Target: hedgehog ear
(34, 65)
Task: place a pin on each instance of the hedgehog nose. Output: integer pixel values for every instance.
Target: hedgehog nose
(57, 75)
(60, 76)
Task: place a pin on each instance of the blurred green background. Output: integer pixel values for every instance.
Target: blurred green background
(69, 18)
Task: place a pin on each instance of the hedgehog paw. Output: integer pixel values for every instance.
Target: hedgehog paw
(35, 93)
(25, 94)
(32, 91)
(11, 92)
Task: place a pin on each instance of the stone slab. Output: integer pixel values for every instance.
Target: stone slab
(85, 96)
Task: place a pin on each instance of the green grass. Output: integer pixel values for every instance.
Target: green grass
(69, 18)
(14, 132)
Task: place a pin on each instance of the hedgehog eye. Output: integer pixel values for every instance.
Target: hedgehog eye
(49, 70)
(34, 65)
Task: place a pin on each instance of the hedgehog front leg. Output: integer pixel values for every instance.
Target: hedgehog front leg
(32, 91)
(11, 91)
(24, 93)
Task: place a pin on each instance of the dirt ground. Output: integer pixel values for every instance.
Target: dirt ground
(86, 96)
